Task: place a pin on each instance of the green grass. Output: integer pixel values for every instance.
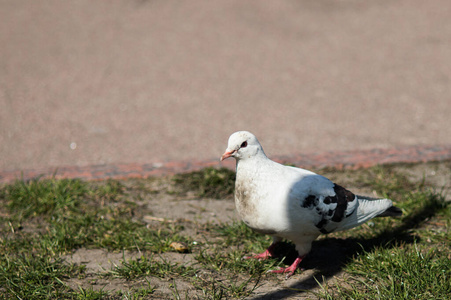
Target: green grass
(91, 294)
(404, 272)
(207, 183)
(405, 258)
(144, 266)
(34, 276)
(78, 215)
(43, 221)
(49, 218)
(45, 197)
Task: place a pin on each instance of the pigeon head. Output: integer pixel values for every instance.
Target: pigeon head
(242, 145)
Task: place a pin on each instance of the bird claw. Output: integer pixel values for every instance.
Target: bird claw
(281, 270)
(261, 256)
(291, 269)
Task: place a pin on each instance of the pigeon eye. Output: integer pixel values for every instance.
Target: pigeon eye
(244, 144)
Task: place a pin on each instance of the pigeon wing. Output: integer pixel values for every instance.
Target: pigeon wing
(329, 203)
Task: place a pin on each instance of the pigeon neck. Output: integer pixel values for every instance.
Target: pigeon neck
(256, 157)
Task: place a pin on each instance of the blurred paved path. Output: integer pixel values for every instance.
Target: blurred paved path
(106, 82)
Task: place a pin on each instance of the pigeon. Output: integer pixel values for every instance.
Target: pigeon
(292, 203)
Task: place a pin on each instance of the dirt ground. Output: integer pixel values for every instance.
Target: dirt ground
(164, 205)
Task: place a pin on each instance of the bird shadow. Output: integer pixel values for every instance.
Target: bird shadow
(330, 256)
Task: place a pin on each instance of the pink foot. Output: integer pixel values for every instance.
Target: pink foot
(261, 256)
(265, 255)
(291, 269)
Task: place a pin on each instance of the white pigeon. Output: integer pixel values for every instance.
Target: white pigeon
(292, 203)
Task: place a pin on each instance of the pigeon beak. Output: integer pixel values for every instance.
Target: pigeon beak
(227, 154)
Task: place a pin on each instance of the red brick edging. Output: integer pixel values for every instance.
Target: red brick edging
(339, 159)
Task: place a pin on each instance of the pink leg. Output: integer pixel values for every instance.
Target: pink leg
(265, 255)
(291, 269)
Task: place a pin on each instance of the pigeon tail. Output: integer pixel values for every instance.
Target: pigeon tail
(369, 208)
(372, 207)
(392, 211)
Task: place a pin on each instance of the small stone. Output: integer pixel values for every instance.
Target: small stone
(179, 247)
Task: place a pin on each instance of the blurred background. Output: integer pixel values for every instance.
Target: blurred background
(133, 81)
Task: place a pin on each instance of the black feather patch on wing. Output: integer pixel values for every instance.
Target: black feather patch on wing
(341, 198)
